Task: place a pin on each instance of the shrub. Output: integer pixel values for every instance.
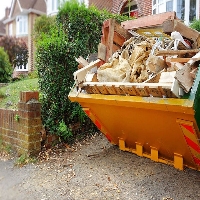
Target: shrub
(195, 25)
(16, 49)
(5, 67)
(43, 25)
(76, 32)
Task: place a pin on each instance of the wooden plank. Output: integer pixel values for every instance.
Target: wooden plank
(148, 21)
(115, 48)
(180, 60)
(129, 90)
(142, 91)
(154, 91)
(194, 59)
(118, 39)
(82, 62)
(110, 39)
(102, 89)
(127, 84)
(121, 31)
(119, 90)
(79, 75)
(176, 52)
(184, 78)
(111, 89)
(102, 52)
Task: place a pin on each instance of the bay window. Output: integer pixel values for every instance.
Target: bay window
(22, 24)
(186, 10)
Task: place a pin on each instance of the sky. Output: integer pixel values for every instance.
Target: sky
(3, 5)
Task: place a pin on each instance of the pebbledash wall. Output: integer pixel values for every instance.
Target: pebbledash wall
(21, 129)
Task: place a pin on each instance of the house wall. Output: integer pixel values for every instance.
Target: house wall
(27, 39)
(20, 129)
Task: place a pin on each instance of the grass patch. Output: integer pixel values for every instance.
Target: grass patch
(25, 159)
(10, 94)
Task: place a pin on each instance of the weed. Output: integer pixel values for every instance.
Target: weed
(64, 131)
(24, 159)
(8, 149)
(16, 118)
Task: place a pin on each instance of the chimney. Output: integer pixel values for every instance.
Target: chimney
(7, 12)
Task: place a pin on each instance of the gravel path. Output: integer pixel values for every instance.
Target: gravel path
(96, 170)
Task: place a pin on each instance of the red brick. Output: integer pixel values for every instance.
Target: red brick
(26, 96)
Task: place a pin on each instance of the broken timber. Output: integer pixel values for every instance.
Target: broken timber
(112, 39)
(172, 25)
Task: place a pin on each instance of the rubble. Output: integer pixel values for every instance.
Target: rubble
(146, 62)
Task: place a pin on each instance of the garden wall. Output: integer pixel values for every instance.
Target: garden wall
(21, 129)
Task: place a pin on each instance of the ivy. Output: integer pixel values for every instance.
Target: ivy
(75, 32)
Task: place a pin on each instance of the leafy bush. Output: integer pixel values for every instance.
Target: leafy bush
(5, 67)
(16, 49)
(76, 32)
(195, 25)
(43, 25)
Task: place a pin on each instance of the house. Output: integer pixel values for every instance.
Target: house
(185, 10)
(53, 5)
(20, 22)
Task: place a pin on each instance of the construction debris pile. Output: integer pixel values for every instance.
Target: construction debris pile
(162, 65)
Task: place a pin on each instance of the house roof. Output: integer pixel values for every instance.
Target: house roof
(102, 4)
(25, 7)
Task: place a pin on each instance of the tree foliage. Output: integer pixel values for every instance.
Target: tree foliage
(16, 49)
(5, 67)
(76, 32)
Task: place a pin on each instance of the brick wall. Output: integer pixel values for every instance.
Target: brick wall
(144, 7)
(20, 129)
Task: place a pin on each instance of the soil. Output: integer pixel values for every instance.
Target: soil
(95, 170)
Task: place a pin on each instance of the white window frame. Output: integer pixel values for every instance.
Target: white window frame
(22, 68)
(155, 7)
(22, 25)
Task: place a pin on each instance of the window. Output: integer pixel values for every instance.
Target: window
(192, 14)
(180, 9)
(187, 10)
(22, 68)
(22, 24)
(169, 6)
(130, 9)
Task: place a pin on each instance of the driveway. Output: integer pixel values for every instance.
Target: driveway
(96, 170)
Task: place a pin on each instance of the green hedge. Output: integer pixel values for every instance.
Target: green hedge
(76, 32)
(5, 67)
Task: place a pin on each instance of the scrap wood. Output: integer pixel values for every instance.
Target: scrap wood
(79, 75)
(148, 21)
(184, 77)
(180, 60)
(172, 25)
(176, 52)
(82, 62)
(102, 51)
(194, 59)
